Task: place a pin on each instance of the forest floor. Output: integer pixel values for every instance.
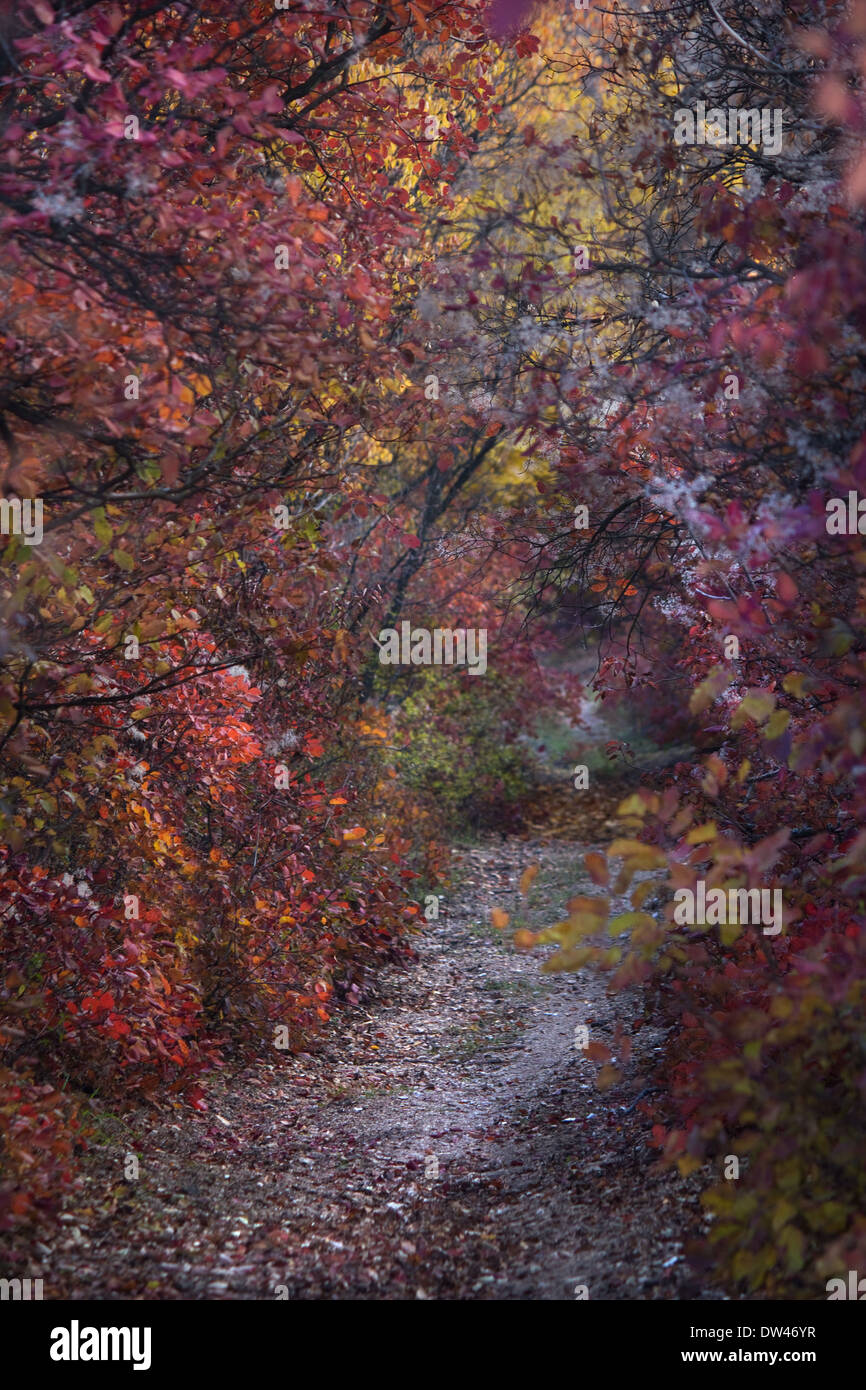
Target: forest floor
(447, 1140)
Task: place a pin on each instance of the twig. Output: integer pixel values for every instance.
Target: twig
(626, 1109)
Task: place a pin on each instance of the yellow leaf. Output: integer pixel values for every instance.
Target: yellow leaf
(607, 1077)
(626, 847)
(781, 1006)
(702, 833)
(577, 926)
(710, 689)
(627, 921)
(687, 1164)
(777, 724)
(570, 958)
(794, 684)
(757, 705)
(637, 856)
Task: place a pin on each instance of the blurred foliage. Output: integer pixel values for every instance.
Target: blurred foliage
(461, 750)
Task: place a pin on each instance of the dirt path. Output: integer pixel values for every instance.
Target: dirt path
(450, 1143)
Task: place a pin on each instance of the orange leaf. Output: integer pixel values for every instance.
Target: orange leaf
(596, 867)
(579, 904)
(499, 918)
(527, 878)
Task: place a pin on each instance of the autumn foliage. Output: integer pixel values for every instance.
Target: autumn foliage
(316, 319)
(709, 446)
(204, 248)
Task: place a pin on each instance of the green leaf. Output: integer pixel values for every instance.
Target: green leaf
(102, 526)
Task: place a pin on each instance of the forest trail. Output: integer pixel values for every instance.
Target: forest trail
(447, 1141)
